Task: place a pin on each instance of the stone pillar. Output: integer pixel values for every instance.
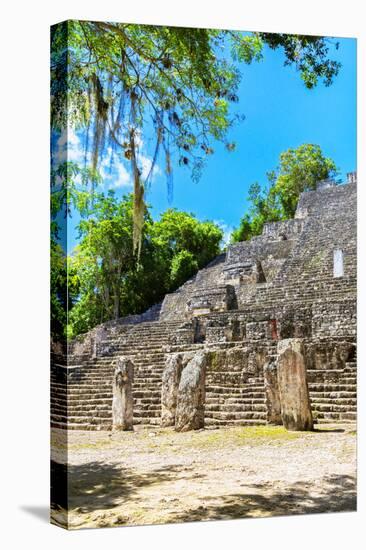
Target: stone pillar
(293, 386)
(190, 412)
(122, 405)
(272, 393)
(169, 389)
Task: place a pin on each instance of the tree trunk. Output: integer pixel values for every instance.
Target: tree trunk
(116, 305)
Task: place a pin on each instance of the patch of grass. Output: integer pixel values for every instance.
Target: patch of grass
(268, 431)
(166, 440)
(221, 438)
(264, 434)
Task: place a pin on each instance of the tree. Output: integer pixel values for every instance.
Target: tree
(111, 283)
(120, 82)
(299, 170)
(187, 243)
(105, 253)
(64, 290)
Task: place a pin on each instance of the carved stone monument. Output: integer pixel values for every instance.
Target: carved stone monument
(190, 410)
(122, 405)
(293, 386)
(169, 389)
(272, 393)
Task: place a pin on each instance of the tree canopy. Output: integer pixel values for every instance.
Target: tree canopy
(299, 170)
(106, 281)
(119, 82)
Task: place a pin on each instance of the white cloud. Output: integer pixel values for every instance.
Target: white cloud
(145, 163)
(69, 147)
(123, 177)
(227, 231)
(114, 171)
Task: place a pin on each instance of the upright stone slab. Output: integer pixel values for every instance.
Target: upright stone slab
(169, 388)
(190, 412)
(293, 386)
(272, 393)
(122, 405)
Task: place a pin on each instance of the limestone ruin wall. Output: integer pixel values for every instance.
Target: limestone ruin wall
(296, 280)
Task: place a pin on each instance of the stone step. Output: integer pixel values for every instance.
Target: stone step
(339, 401)
(250, 398)
(80, 419)
(82, 426)
(102, 396)
(232, 407)
(147, 414)
(92, 396)
(147, 400)
(146, 393)
(330, 421)
(340, 416)
(333, 395)
(244, 415)
(76, 389)
(233, 392)
(153, 407)
(327, 387)
(333, 407)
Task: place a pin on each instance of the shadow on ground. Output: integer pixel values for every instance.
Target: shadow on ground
(102, 486)
(98, 486)
(329, 430)
(338, 495)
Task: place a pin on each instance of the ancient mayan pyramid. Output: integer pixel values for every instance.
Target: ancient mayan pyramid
(296, 280)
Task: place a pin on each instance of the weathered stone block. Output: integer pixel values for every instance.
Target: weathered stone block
(272, 393)
(258, 330)
(169, 389)
(293, 387)
(122, 404)
(184, 334)
(215, 334)
(190, 410)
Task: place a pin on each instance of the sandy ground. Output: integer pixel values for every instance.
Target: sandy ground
(155, 476)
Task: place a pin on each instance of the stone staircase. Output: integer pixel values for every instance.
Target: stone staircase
(81, 394)
(230, 400)
(333, 394)
(85, 401)
(230, 405)
(301, 290)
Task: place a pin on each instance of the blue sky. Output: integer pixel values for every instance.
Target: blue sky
(280, 113)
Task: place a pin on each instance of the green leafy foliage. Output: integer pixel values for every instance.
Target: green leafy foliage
(299, 170)
(183, 266)
(111, 283)
(309, 54)
(64, 289)
(119, 82)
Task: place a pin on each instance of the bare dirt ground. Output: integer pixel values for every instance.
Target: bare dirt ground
(155, 476)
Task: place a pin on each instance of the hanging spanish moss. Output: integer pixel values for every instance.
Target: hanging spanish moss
(168, 173)
(138, 186)
(138, 200)
(100, 122)
(118, 128)
(168, 163)
(159, 139)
